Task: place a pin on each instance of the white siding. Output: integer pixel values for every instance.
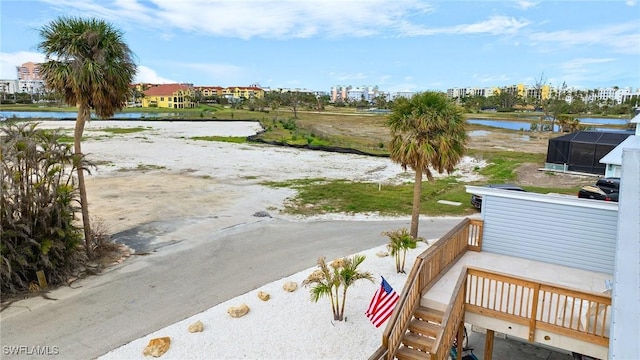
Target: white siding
(553, 232)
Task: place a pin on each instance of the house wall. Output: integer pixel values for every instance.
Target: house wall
(613, 170)
(546, 228)
(626, 288)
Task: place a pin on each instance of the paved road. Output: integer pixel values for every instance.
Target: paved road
(196, 265)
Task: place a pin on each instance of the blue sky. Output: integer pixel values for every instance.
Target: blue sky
(398, 45)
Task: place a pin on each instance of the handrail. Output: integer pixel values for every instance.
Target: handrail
(453, 316)
(427, 269)
(576, 313)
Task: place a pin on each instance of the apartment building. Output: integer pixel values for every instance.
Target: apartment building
(209, 91)
(601, 95)
(171, 96)
(29, 71)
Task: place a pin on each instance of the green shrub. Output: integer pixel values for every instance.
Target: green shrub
(38, 206)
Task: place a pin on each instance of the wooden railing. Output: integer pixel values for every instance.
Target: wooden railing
(578, 314)
(427, 269)
(537, 305)
(451, 321)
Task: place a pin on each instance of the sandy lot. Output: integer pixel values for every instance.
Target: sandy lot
(161, 173)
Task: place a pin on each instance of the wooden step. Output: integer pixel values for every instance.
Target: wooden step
(428, 314)
(418, 342)
(424, 328)
(405, 353)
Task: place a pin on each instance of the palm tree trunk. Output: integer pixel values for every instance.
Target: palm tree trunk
(336, 308)
(83, 115)
(417, 194)
(344, 299)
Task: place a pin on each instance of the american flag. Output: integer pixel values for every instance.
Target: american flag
(382, 304)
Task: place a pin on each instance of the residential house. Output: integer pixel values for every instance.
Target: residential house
(550, 269)
(170, 96)
(613, 160)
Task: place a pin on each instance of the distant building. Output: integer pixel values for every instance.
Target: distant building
(8, 86)
(29, 71)
(612, 95)
(209, 91)
(170, 96)
(243, 92)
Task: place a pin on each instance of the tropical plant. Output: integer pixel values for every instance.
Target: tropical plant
(399, 242)
(88, 62)
(334, 280)
(37, 208)
(427, 131)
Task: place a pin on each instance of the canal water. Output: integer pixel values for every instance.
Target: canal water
(73, 114)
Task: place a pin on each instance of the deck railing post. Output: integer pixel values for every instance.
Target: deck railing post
(534, 312)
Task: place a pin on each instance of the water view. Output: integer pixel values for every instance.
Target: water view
(72, 115)
(526, 125)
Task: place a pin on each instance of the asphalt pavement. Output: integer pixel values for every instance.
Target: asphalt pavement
(191, 265)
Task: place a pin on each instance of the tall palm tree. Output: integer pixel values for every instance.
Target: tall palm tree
(427, 132)
(88, 62)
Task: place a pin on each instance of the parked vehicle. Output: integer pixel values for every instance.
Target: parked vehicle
(609, 185)
(606, 189)
(476, 200)
(596, 193)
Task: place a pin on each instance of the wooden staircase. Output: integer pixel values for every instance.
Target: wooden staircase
(418, 341)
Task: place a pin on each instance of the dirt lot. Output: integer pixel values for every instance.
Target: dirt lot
(536, 143)
(481, 138)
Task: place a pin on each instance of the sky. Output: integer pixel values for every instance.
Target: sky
(403, 45)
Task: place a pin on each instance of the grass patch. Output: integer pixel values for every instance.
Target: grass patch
(144, 167)
(124, 130)
(503, 163)
(67, 139)
(229, 139)
(318, 196)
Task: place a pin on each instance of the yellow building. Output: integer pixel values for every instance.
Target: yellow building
(243, 92)
(209, 91)
(170, 96)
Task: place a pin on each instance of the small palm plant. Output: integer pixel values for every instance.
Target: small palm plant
(335, 279)
(399, 242)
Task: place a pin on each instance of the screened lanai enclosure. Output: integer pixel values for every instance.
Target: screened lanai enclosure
(581, 151)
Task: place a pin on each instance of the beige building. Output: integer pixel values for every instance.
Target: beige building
(29, 71)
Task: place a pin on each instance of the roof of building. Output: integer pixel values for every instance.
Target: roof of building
(614, 156)
(165, 89)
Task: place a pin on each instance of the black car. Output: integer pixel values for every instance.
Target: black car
(476, 200)
(609, 185)
(597, 193)
(606, 189)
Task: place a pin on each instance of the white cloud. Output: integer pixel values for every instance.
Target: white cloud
(491, 79)
(630, 3)
(9, 61)
(347, 76)
(495, 25)
(249, 19)
(525, 4)
(622, 38)
(148, 75)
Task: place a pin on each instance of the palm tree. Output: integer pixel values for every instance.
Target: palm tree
(399, 242)
(328, 279)
(427, 131)
(89, 63)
